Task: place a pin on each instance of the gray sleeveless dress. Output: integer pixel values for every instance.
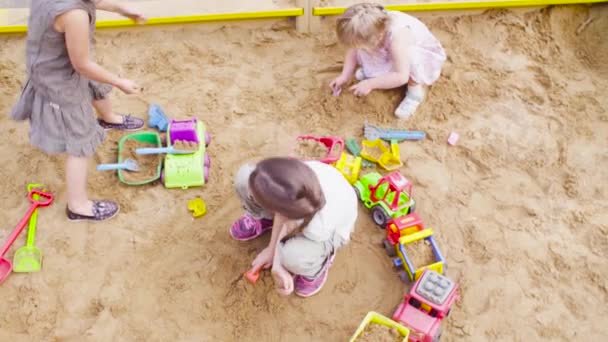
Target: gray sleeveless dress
(56, 99)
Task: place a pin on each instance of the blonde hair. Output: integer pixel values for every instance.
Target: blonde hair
(362, 25)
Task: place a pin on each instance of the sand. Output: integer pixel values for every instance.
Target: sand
(311, 149)
(148, 164)
(420, 253)
(519, 205)
(379, 333)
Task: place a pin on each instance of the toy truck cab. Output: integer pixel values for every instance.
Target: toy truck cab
(401, 226)
(388, 196)
(426, 305)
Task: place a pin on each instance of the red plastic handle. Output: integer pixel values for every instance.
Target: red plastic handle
(45, 200)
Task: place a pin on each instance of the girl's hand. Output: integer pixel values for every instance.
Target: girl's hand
(127, 86)
(362, 88)
(283, 280)
(136, 16)
(263, 260)
(337, 83)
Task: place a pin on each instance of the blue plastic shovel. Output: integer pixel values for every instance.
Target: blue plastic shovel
(128, 164)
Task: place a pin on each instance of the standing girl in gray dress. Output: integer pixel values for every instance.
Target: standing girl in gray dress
(63, 81)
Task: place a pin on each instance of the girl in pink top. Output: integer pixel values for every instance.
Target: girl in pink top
(391, 49)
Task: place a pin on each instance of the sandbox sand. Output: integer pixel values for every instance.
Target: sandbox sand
(520, 204)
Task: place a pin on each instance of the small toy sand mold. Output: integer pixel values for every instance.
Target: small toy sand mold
(380, 333)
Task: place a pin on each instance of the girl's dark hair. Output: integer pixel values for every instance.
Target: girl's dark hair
(288, 187)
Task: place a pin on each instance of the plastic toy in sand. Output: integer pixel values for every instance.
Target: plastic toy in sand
(334, 146)
(157, 118)
(408, 271)
(372, 132)
(349, 167)
(353, 147)
(191, 169)
(43, 199)
(377, 152)
(197, 207)
(372, 318)
(426, 305)
(387, 197)
(28, 258)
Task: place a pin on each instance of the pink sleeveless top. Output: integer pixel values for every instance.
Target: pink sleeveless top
(425, 53)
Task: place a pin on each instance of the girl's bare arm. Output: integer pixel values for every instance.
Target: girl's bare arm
(401, 63)
(75, 24)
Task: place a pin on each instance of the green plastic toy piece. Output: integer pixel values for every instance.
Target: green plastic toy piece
(143, 137)
(186, 170)
(353, 147)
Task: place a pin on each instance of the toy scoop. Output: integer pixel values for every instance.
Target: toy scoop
(44, 200)
(128, 164)
(253, 275)
(29, 257)
(178, 147)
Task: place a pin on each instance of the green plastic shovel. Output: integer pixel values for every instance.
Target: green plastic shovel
(29, 257)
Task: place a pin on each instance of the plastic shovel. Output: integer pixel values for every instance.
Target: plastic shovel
(159, 150)
(28, 258)
(128, 164)
(46, 199)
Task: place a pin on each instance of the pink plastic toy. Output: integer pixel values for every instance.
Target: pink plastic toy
(335, 147)
(427, 304)
(453, 138)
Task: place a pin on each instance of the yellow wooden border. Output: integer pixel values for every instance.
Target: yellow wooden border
(186, 19)
(446, 6)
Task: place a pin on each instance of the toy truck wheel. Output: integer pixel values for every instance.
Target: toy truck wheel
(207, 139)
(389, 248)
(380, 216)
(162, 176)
(404, 277)
(206, 174)
(207, 161)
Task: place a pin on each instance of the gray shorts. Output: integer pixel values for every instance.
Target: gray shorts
(70, 128)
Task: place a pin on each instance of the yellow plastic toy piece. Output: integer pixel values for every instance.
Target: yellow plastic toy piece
(198, 207)
(419, 235)
(349, 167)
(373, 150)
(437, 267)
(376, 151)
(391, 160)
(413, 237)
(376, 318)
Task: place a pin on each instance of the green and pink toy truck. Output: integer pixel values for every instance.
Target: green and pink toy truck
(388, 197)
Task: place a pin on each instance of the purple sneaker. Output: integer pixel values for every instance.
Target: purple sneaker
(129, 123)
(248, 227)
(306, 287)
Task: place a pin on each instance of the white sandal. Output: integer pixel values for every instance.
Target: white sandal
(410, 103)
